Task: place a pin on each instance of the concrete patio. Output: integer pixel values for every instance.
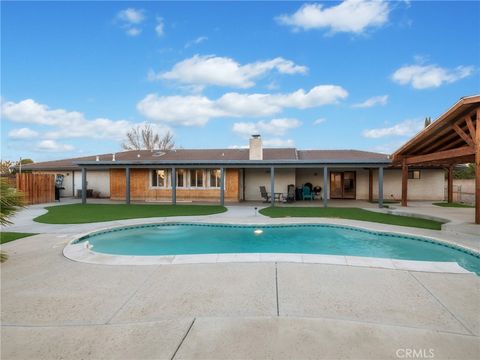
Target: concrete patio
(53, 307)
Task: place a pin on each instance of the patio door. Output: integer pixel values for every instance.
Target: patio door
(342, 185)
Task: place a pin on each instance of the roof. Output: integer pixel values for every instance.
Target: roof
(340, 154)
(443, 134)
(204, 156)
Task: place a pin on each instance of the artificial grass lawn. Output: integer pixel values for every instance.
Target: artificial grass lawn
(89, 213)
(453, 205)
(10, 236)
(352, 214)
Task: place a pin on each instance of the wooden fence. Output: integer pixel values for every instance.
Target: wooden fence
(38, 188)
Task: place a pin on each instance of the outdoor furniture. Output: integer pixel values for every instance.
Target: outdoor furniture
(290, 193)
(277, 196)
(307, 193)
(264, 194)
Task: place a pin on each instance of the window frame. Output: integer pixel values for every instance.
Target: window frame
(411, 174)
(167, 180)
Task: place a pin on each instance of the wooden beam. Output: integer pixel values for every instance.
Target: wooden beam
(370, 184)
(442, 155)
(450, 184)
(477, 171)
(404, 182)
(463, 135)
(470, 126)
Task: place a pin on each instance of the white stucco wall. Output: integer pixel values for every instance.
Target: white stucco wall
(96, 180)
(254, 178)
(430, 186)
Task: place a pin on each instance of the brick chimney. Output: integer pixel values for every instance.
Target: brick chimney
(256, 148)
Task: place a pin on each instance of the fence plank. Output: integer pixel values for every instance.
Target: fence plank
(38, 188)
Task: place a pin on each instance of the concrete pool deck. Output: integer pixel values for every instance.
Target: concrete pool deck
(53, 307)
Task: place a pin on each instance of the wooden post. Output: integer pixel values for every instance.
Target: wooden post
(450, 184)
(404, 182)
(127, 185)
(222, 186)
(380, 187)
(84, 185)
(477, 171)
(174, 186)
(325, 187)
(272, 185)
(370, 185)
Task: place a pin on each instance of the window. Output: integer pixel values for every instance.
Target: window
(215, 178)
(196, 178)
(414, 174)
(181, 176)
(159, 178)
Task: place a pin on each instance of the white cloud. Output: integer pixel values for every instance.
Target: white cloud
(222, 71)
(376, 100)
(131, 16)
(198, 110)
(319, 121)
(196, 41)
(67, 124)
(133, 31)
(276, 127)
(428, 76)
(351, 16)
(159, 28)
(22, 133)
(130, 19)
(53, 146)
(404, 128)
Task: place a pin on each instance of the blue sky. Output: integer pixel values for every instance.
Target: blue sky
(327, 75)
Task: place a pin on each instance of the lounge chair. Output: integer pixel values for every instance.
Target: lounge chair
(307, 193)
(264, 194)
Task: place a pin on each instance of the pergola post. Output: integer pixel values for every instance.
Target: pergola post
(370, 185)
(325, 187)
(222, 186)
(84, 185)
(477, 170)
(272, 185)
(404, 182)
(127, 185)
(380, 187)
(174, 186)
(450, 184)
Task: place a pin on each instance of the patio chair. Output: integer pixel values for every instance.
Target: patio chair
(264, 194)
(290, 193)
(307, 193)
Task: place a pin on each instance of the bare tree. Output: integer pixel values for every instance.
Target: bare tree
(144, 137)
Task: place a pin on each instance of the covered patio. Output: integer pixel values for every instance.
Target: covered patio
(454, 138)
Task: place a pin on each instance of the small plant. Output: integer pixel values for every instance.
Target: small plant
(10, 201)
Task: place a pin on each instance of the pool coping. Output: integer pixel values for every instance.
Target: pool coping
(81, 252)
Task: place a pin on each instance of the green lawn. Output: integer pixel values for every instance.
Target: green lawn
(352, 214)
(89, 213)
(10, 236)
(454, 205)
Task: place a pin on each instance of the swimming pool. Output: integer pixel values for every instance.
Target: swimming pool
(183, 239)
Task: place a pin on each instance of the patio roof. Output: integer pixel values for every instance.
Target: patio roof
(448, 140)
(454, 138)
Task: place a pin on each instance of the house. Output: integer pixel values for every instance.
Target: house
(234, 175)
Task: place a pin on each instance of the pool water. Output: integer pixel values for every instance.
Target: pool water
(181, 239)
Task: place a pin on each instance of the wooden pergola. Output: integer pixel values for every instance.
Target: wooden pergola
(454, 138)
